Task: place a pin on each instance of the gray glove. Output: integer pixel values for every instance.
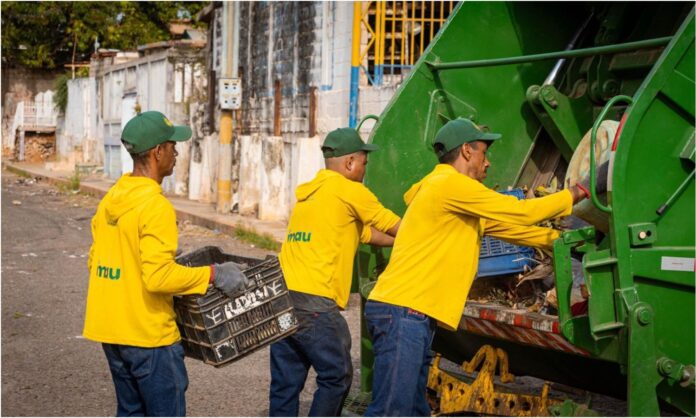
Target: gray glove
(229, 278)
(601, 177)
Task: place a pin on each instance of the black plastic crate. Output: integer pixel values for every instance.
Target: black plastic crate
(217, 329)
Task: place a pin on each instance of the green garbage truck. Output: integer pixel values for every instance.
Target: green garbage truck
(570, 86)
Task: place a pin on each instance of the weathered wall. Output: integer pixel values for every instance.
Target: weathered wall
(19, 84)
(172, 81)
(77, 142)
(278, 47)
(372, 101)
(334, 95)
(249, 191)
(297, 46)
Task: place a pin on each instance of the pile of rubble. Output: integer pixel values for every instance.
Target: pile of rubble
(38, 148)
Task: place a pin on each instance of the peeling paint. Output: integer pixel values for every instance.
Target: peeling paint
(249, 174)
(274, 180)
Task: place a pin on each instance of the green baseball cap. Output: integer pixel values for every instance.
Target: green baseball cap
(344, 141)
(149, 129)
(458, 132)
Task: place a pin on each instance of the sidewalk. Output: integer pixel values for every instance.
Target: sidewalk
(198, 213)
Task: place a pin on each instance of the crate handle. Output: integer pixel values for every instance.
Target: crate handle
(258, 279)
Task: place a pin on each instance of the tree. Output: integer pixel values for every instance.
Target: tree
(50, 34)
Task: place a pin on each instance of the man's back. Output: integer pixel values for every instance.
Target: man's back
(129, 300)
(435, 255)
(324, 231)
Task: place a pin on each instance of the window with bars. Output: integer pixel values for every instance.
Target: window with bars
(397, 33)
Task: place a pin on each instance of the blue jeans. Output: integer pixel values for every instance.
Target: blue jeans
(401, 340)
(323, 342)
(148, 381)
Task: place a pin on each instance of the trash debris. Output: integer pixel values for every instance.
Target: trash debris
(533, 290)
(16, 202)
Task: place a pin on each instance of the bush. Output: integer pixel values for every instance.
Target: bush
(60, 98)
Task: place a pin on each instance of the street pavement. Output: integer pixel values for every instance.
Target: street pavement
(48, 369)
(198, 213)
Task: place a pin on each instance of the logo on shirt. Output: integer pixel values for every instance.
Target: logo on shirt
(299, 236)
(110, 273)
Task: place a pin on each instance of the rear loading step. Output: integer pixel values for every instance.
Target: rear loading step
(516, 325)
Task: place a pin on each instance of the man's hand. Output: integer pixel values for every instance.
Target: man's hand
(229, 278)
(584, 184)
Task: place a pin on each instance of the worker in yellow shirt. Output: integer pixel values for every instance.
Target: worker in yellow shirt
(133, 276)
(334, 212)
(435, 259)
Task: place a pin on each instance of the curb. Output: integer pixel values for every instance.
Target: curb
(85, 188)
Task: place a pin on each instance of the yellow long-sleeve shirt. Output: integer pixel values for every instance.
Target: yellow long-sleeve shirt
(132, 273)
(331, 216)
(435, 256)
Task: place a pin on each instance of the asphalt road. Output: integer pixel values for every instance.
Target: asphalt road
(48, 369)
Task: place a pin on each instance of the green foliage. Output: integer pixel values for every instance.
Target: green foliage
(60, 98)
(74, 181)
(71, 186)
(264, 241)
(49, 34)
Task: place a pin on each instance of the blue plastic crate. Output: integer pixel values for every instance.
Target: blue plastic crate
(498, 257)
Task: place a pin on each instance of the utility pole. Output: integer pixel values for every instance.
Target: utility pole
(230, 99)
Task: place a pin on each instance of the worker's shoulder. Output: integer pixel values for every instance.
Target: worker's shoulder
(346, 188)
(157, 205)
(451, 179)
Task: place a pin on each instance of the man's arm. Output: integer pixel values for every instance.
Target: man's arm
(369, 210)
(530, 236)
(158, 242)
(394, 229)
(468, 196)
(381, 239)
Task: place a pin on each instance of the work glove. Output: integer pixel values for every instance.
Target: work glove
(600, 185)
(229, 278)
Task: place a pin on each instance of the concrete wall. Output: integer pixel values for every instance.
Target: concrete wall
(172, 81)
(290, 44)
(334, 96)
(373, 101)
(19, 84)
(299, 46)
(278, 44)
(250, 157)
(271, 167)
(77, 139)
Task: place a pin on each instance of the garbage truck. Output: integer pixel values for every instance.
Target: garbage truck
(569, 86)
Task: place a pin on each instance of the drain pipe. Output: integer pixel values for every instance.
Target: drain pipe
(355, 65)
(230, 47)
